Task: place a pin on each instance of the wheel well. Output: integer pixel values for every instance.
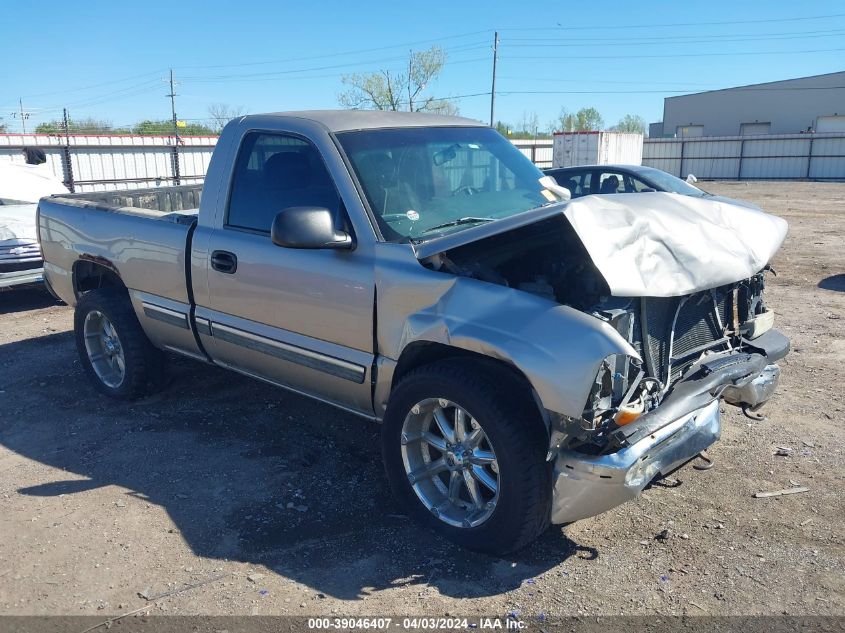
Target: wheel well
(91, 275)
(424, 353)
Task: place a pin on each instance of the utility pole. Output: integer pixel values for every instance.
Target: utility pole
(172, 95)
(410, 70)
(24, 116)
(66, 152)
(493, 89)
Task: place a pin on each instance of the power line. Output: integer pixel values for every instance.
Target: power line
(241, 79)
(275, 73)
(83, 88)
(673, 24)
(664, 55)
(670, 41)
(663, 38)
(637, 92)
(343, 53)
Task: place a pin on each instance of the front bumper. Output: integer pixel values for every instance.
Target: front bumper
(20, 277)
(586, 485)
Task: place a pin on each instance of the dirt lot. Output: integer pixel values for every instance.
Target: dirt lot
(101, 500)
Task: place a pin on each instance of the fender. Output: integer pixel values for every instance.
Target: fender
(559, 349)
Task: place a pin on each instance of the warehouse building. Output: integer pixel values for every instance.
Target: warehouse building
(791, 106)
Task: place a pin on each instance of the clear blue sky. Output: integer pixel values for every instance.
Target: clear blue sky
(106, 59)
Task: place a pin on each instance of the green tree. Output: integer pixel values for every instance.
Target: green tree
(3, 128)
(505, 129)
(586, 119)
(88, 125)
(164, 127)
(630, 123)
(404, 90)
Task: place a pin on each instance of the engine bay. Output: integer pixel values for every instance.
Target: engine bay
(671, 334)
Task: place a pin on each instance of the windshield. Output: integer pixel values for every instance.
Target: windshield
(424, 182)
(668, 182)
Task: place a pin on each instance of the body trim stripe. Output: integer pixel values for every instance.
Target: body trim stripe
(166, 315)
(291, 353)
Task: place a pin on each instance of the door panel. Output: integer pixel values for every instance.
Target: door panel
(301, 318)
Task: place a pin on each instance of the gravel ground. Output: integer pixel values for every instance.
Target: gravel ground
(102, 501)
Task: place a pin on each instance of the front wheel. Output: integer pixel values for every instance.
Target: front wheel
(466, 456)
(113, 349)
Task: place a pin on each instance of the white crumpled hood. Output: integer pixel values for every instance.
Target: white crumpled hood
(17, 224)
(665, 244)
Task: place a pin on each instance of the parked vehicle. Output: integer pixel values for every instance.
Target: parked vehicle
(21, 186)
(608, 179)
(532, 359)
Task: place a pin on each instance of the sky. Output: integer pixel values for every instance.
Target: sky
(109, 60)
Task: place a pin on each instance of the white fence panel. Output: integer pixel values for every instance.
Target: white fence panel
(102, 162)
(781, 156)
(540, 151)
(121, 161)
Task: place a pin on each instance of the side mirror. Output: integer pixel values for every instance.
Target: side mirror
(308, 227)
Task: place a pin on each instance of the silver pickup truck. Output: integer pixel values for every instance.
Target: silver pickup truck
(532, 359)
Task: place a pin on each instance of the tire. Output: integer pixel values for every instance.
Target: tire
(514, 433)
(142, 364)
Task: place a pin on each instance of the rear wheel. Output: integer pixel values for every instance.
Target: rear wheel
(113, 349)
(465, 455)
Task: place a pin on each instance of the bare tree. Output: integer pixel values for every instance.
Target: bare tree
(222, 113)
(529, 124)
(403, 90)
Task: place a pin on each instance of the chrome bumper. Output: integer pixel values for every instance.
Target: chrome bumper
(586, 485)
(756, 392)
(17, 278)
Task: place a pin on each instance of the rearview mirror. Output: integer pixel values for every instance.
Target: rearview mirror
(308, 227)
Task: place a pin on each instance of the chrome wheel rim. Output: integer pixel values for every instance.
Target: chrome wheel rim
(105, 353)
(450, 462)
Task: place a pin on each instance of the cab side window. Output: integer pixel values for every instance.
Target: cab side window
(637, 185)
(611, 183)
(274, 172)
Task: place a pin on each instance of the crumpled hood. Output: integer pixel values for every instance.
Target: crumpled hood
(652, 244)
(665, 244)
(17, 224)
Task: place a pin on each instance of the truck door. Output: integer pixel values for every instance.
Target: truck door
(299, 318)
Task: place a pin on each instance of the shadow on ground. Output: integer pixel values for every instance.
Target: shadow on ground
(225, 456)
(834, 282)
(26, 298)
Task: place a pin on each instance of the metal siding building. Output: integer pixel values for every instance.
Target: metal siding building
(779, 107)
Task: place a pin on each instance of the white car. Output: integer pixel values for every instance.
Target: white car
(21, 186)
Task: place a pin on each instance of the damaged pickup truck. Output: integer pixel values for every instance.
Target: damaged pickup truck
(534, 360)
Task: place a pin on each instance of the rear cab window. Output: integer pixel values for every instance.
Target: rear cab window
(274, 172)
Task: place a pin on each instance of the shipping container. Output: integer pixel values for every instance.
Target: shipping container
(597, 148)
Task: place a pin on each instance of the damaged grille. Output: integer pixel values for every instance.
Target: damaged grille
(676, 331)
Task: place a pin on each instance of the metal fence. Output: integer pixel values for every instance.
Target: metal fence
(764, 157)
(108, 162)
(538, 150)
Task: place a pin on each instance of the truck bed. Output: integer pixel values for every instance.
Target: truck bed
(141, 234)
(174, 204)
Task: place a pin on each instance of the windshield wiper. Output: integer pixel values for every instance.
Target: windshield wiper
(458, 222)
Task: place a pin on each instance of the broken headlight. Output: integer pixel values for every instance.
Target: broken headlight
(620, 393)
